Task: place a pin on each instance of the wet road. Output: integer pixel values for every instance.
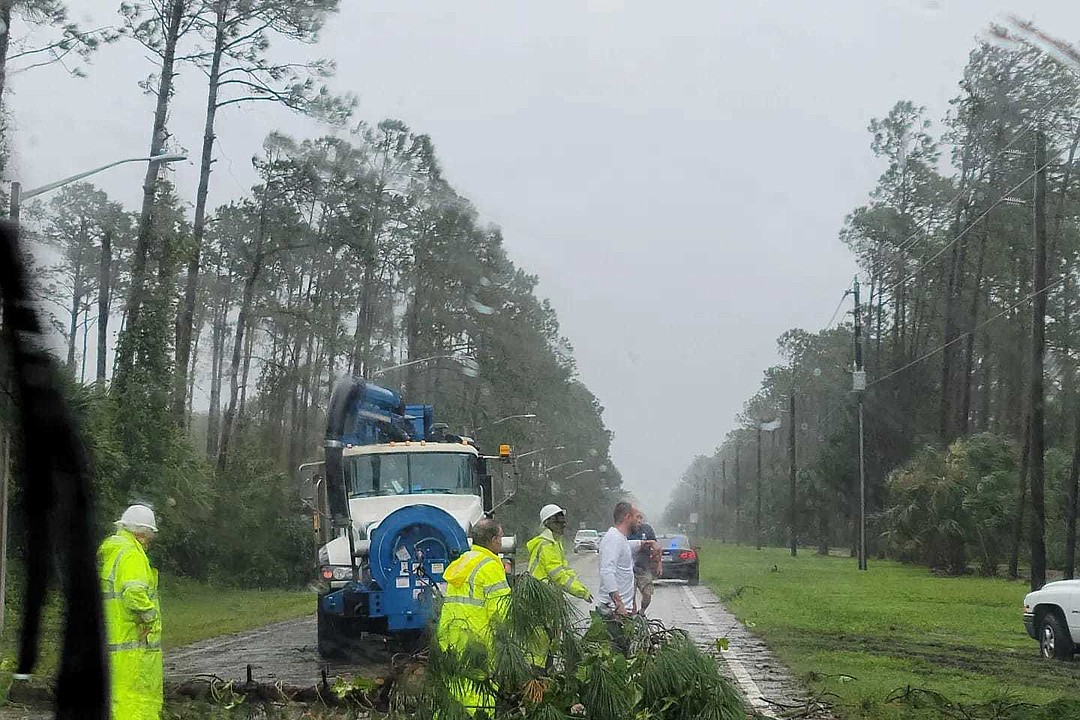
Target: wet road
(285, 652)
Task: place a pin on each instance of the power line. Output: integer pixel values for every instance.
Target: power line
(837, 310)
(912, 239)
(968, 333)
(970, 226)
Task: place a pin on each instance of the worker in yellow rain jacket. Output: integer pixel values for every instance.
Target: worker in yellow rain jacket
(132, 617)
(547, 562)
(476, 599)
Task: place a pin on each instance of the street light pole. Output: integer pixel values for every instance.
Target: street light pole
(465, 364)
(858, 380)
(14, 207)
(538, 450)
(18, 194)
(500, 421)
(757, 516)
(791, 462)
(564, 464)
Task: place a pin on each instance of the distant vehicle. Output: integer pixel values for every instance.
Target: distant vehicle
(679, 557)
(587, 540)
(1052, 616)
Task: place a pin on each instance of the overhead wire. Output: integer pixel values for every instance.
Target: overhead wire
(913, 238)
(836, 312)
(1003, 199)
(964, 335)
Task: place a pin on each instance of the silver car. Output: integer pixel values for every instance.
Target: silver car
(587, 540)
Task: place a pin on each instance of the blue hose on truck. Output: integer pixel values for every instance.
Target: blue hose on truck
(408, 555)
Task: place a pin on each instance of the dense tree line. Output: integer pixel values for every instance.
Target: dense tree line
(202, 348)
(952, 315)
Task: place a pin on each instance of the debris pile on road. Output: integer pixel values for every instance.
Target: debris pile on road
(661, 675)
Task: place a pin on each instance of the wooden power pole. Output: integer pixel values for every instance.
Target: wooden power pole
(1037, 468)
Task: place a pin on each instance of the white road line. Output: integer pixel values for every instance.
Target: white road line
(746, 682)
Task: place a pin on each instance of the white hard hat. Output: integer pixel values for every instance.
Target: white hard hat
(549, 511)
(138, 517)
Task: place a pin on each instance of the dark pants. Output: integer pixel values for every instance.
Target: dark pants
(616, 630)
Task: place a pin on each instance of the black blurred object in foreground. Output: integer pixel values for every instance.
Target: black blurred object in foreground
(57, 500)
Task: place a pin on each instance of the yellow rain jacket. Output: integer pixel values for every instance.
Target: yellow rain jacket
(132, 628)
(547, 563)
(476, 597)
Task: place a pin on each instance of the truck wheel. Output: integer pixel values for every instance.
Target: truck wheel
(1054, 638)
(335, 636)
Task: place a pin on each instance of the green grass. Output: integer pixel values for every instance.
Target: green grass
(864, 635)
(190, 611)
(193, 611)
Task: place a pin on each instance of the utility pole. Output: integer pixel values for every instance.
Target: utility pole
(722, 529)
(714, 509)
(757, 515)
(791, 462)
(738, 499)
(858, 380)
(1038, 355)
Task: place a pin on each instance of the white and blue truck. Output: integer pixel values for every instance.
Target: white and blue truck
(401, 494)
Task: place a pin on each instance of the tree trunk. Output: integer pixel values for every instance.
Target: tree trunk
(234, 367)
(186, 318)
(1038, 353)
(1071, 507)
(364, 321)
(964, 414)
(104, 282)
(173, 22)
(1021, 505)
(954, 283)
(73, 314)
(249, 344)
(193, 366)
(85, 341)
(213, 420)
(5, 43)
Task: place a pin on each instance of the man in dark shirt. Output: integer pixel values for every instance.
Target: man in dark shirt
(646, 562)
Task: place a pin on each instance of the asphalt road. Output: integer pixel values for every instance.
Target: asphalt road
(285, 652)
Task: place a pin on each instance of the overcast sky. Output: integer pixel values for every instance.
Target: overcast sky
(675, 172)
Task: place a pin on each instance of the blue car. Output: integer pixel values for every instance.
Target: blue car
(679, 557)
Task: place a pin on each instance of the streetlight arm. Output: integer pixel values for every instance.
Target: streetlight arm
(27, 194)
(568, 462)
(539, 450)
(379, 373)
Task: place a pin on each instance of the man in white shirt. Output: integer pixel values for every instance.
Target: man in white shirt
(617, 563)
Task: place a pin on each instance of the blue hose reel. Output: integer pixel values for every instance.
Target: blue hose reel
(409, 552)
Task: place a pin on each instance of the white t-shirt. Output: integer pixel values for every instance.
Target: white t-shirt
(617, 568)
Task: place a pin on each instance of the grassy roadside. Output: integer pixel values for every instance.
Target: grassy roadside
(865, 635)
(191, 611)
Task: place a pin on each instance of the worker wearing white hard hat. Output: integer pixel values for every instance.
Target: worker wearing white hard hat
(547, 562)
(132, 616)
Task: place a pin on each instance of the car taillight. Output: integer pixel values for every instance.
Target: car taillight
(688, 555)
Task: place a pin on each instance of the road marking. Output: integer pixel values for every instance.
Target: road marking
(746, 682)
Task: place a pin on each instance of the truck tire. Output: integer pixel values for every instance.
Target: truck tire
(1054, 639)
(336, 636)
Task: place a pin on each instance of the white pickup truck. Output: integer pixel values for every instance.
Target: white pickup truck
(1052, 616)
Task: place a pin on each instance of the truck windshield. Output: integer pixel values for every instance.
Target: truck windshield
(408, 473)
